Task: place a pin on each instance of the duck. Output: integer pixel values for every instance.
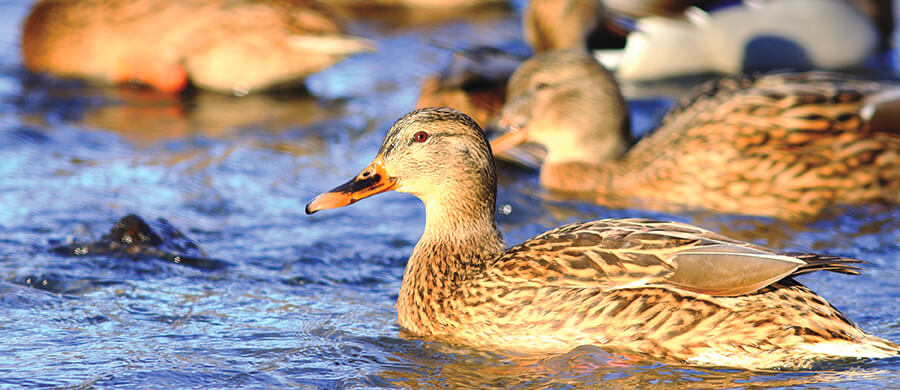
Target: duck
(228, 46)
(668, 8)
(753, 36)
(647, 40)
(878, 10)
(570, 24)
(783, 145)
(416, 4)
(663, 290)
(475, 80)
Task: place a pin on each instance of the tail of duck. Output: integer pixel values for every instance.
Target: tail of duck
(864, 345)
(871, 348)
(817, 262)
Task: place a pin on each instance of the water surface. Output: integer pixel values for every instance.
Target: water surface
(306, 301)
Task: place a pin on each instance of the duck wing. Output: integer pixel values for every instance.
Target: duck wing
(637, 253)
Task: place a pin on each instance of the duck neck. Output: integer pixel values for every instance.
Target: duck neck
(596, 148)
(587, 151)
(596, 130)
(460, 239)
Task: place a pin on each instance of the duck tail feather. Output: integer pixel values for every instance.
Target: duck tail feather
(816, 262)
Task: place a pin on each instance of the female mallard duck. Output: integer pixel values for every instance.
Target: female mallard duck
(570, 24)
(475, 81)
(228, 46)
(666, 290)
(784, 145)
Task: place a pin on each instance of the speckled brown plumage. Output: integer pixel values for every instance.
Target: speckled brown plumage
(785, 145)
(664, 290)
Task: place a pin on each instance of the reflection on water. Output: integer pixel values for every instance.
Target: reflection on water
(308, 301)
(146, 117)
(584, 367)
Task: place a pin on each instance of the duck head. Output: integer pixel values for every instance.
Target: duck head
(439, 155)
(570, 104)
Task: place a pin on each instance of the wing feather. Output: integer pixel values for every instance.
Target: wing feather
(637, 253)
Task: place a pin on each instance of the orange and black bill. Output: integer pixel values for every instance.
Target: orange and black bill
(508, 141)
(372, 180)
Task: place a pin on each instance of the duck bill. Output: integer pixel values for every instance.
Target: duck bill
(372, 180)
(508, 141)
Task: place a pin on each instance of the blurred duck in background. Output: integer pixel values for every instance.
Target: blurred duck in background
(570, 24)
(752, 36)
(782, 145)
(436, 4)
(226, 46)
(675, 38)
(879, 11)
(475, 81)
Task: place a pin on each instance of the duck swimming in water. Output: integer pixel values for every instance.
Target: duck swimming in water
(666, 290)
(784, 145)
(238, 46)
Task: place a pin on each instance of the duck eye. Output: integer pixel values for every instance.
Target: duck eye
(420, 136)
(540, 86)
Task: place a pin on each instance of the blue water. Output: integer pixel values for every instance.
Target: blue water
(307, 301)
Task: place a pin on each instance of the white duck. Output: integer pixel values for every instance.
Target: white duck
(758, 35)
